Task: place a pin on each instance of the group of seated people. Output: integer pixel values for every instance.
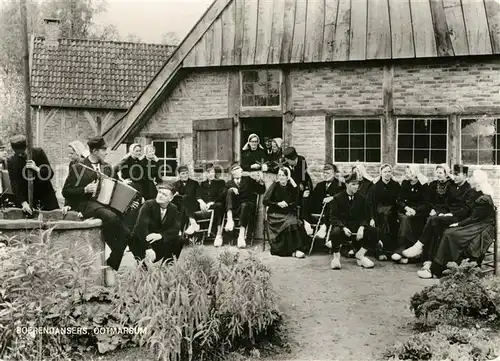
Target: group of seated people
(440, 221)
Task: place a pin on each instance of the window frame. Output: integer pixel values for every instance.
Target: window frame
(163, 160)
(446, 118)
(267, 107)
(477, 117)
(349, 118)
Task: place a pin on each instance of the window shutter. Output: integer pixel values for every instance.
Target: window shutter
(213, 142)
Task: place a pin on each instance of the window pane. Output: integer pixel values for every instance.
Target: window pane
(405, 126)
(357, 126)
(373, 140)
(486, 142)
(160, 149)
(372, 155)
(486, 157)
(357, 141)
(469, 141)
(438, 141)
(438, 126)
(373, 125)
(341, 141)
(405, 156)
(422, 142)
(260, 100)
(469, 156)
(498, 158)
(421, 156)
(171, 150)
(405, 141)
(248, 89)
(422, 126)
(357, 155)
(467, 126)
(341, 155)
(248, 100)
(438, 156)
(249, 76)
(274, 100)
(261, 88)
(170, 167)
(341, 126)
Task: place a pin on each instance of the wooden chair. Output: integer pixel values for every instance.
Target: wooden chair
(205, 220)
(249, 231)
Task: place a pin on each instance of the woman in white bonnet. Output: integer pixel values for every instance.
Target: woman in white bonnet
(470, 237)
(253, 155)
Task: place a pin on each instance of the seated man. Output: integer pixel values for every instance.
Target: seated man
(210, 195)
(44, 196)
(185, 199)
(320, 200)
(241, 199)
(460, 200)
(157, 227)
(348, 216)
(79, 190)
(300, 175)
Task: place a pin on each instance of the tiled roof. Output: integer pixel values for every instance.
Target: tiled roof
(93, 73)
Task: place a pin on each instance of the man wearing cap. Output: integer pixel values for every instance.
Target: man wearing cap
(185, 199)
(460, 199)
(156, 231)
(44, 196)
(268, 146)
(298, 166)
(320, 200)
(349, 218)
(210, 195)
(241, 199)
(79, 190)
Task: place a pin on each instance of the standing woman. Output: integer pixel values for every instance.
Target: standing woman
(77, 152)
(470, 237)
(382, 207)
(274, 158)
(131, 168)
(412, 212)
(253, 155)
(152, 176)
(281, 200)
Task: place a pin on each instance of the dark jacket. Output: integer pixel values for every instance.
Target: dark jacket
(320, 191)
(461, 200)
(186, 189)
(382, 194)
(149, 221)
(212, 191)
(43, 192)
(300, 174)
(248, 189)
(277, 193)
(438, 200)
(249, 157)
(78, 178)
(483, 211)
(413, 196)
(343, 214)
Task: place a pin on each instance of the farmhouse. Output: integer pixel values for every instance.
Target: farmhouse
(81, 87)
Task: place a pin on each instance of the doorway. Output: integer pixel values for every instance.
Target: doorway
(263, 127)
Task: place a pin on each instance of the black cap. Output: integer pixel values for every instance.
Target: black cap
(459, 168)
(290, 153)
(182, 168)
(165, 185)
(18, 142)
(351, 178)
(208, 166)
(96, 143)
(329, 166)
(234, 166)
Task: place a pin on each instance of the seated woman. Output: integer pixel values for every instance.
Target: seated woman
(469, 236)
(281, 198)
(382, 208)
(413, 210)
(253, 155)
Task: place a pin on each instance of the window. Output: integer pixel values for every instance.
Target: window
(480, 140)
(422, 140)
(357, 140)
(213, 142)
(260, 88)
(166, 151)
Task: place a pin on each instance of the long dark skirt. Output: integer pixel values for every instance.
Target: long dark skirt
(410, 229)
(284, 235)
(455, 241)
(387, 226)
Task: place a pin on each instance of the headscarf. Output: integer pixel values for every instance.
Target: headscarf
(146, 148)
(444, 167)
(362, 170)
(79, 148)
(131, 149)
(415, 171)
(481, 177)
(247, 145)
(288, 173)
(278, 142)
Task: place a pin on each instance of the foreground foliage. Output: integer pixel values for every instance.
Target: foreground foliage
(200, 308)
(458, 319)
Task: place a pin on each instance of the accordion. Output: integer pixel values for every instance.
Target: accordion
(5, 187)
(115, 194)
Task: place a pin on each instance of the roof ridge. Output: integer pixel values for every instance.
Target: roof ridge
(41, 37)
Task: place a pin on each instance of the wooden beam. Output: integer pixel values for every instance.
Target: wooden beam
(299, 32)
(238, 31)
(233, 110)
(288, 31)
(228, 34)
(389, 122)
(441, 32)
(216, 54)
(287, 105)
(342, 31)
(445, 111)
(357, 43)
(378, 42)
(315, 24)
(456, 26)
(212, 124)
(493, 14)
(340, 112)
(264, 30)
(248, 113)
(202, 49)
(331, 8)
(423, 29)
(278, 19)
(453, 139)
(328, 139)
(249, 31)
(91, 121)
(401, 29)
(476, 25)
(50, 115)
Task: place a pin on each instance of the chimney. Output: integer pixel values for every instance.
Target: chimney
(52, 31)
